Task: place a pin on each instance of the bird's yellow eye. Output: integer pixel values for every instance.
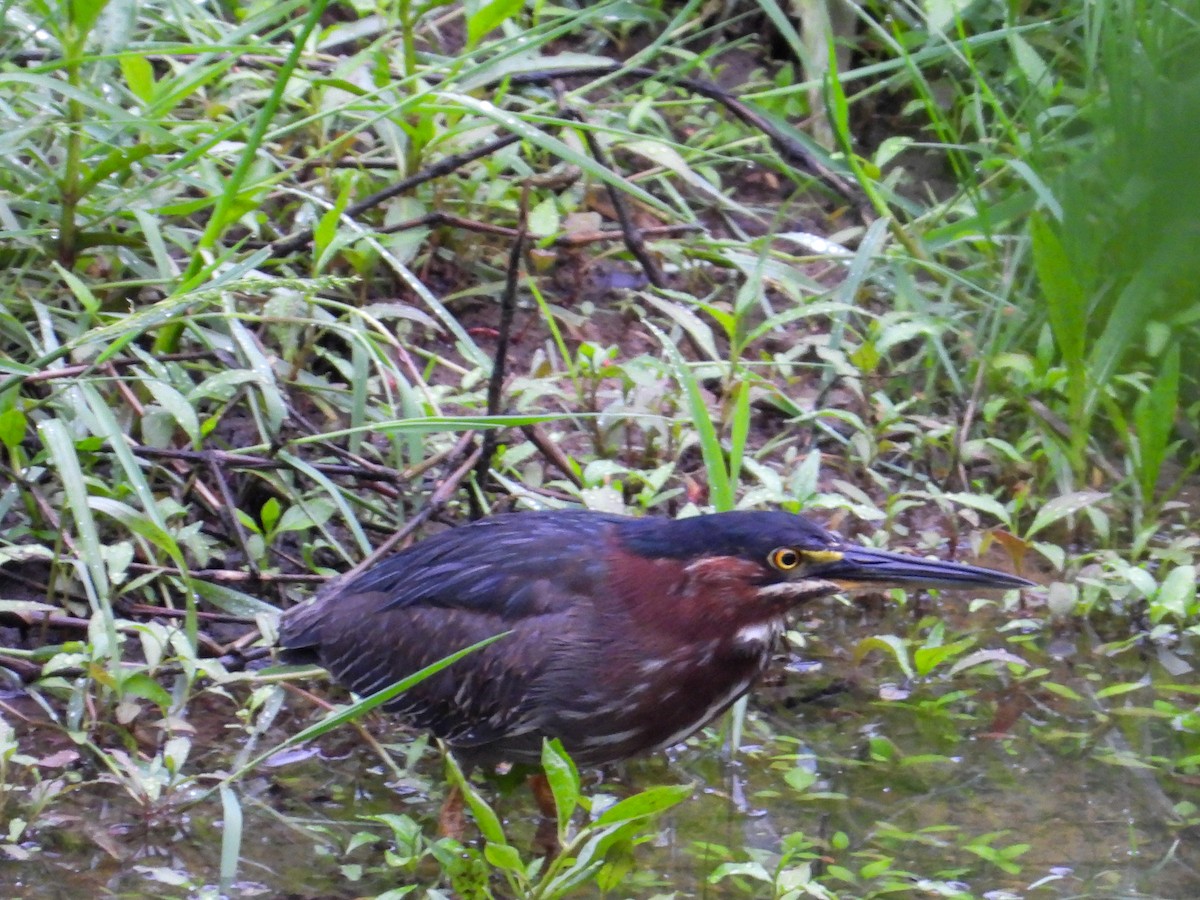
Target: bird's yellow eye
(784, 559)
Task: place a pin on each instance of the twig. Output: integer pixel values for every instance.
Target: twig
(76, 623)
(361, 468)
(629, 229)
(230, 576)
(439, 498)
(229, 512)
(580, 238)
(508, 305)
(553, 453)
(294, 242)
(792, 149)
(85, 368)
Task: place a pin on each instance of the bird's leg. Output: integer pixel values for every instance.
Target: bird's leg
(545, 839)
(543, 796)
(452, 820)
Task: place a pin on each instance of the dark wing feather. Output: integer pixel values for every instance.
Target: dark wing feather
(530, 574)
(486, 566)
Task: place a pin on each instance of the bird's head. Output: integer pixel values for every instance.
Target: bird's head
(788, 559)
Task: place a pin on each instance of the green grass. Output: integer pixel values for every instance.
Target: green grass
(998, 358)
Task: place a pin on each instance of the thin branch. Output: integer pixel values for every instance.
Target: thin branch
(446, 166)
(629, 229)
(508, 305)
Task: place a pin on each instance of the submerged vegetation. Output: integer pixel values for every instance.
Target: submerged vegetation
(284, 284)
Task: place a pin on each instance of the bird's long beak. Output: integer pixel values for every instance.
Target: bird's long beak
(864, 567)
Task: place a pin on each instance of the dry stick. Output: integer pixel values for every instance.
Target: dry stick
(229, 514)
(580, 238)
(290, 244)
(382, 473)
(76, 623)
(238, 659)
(793, 151)
(577, 239)
(438, 499)
(363, 732)
(508, 305)
(231, 576)
(553, 453)
(361, 468)
(633, 237)
(435, 219)
(125, 362)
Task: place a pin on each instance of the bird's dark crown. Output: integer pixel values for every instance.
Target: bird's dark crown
(746, 534)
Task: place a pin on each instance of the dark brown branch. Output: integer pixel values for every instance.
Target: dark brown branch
(437, 500)
(553, 453)
(230, 576)
(629, 229)
(508, 305)
(793, 151)
(292, 243)
(363, 469)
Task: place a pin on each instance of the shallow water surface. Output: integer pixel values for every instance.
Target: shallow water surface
(997, 782)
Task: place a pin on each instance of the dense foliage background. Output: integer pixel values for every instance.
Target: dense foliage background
(285, 284)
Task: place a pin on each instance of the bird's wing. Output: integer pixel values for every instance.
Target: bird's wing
(528, 575)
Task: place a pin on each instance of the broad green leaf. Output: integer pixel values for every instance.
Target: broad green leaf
(489, 17)
(1061, 507)
(563, 778)
(485, 817)
(175, 403)
(61, 448)
(1176, 595)
(503, 856)
(926, 659)
(649, 802)
(139, 684)
(1066, 300)
(139, 76)
(979, 657)
(984, 504)
(891, 644)
(12, 427)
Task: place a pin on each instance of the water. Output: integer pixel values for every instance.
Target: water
(845, 768)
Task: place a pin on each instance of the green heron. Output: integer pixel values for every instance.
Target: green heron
(626, 635)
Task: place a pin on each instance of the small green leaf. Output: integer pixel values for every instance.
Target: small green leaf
(177, 405)
(489, 17)
(1177, 594)
(649, 802)
(139, 76)
(1063, 506)
(979, 657)
(926, 659)
(1116, 690)
(231, 837)
(503, 856)
(485, 816)
(563, 778)
(139, 684)
(12, 427)
(269, 514)
(544, 218)
(1061, 690)
(888, 643)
